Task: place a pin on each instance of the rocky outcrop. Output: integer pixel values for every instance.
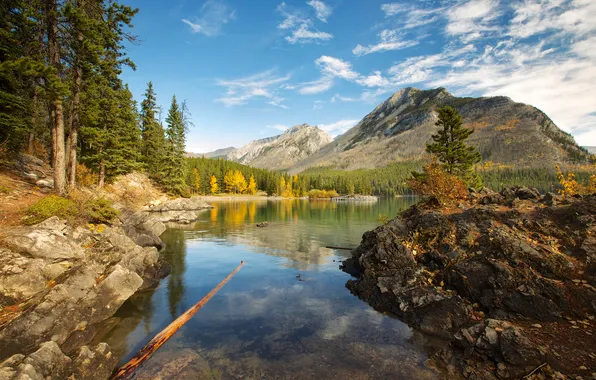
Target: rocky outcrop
(49, 362)
(508, 278)
(65, 281)
(146, 225)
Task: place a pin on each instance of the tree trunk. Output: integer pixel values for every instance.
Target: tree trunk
(74, 126)
(102, 175)
(31, 136)
(56, 102)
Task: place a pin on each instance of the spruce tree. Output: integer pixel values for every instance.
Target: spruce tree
(173, 164)
(450, 148)
(153, 136)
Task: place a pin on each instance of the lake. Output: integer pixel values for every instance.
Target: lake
(285, 315)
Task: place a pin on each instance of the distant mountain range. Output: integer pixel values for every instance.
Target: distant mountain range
(506, 132)
(591, 149)
(277, 152)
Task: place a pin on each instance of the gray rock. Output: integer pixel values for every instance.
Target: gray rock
(86, 295)
(48, 183)
(96, 363)
(180, 204)
(47, 244)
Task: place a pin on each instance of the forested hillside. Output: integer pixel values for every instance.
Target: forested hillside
(62, 99)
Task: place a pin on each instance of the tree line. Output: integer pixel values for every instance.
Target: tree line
(62, 98)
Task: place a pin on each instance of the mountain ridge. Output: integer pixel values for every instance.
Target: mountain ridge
(277, 152)
(507, 134)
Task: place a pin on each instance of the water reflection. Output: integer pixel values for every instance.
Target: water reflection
(176, 256)
(286, 314)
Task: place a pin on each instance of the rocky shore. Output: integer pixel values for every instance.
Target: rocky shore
(58, 282)
(507, 279)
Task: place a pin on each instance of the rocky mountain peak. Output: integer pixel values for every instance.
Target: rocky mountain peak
(298, 128)
(281, 151)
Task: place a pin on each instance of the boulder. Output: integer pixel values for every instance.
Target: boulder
(50, 244)
(49, 362)
(179, 204)
(86, 295)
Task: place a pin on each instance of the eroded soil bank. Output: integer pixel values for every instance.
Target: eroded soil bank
(507, 278)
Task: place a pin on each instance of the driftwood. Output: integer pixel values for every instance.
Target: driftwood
(344, 248)
(127, 370)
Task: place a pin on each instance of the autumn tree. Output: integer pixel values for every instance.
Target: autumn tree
(252, 185)
(213, 186)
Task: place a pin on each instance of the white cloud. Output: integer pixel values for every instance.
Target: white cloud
(279, 127)
(336, 67)
(322, 10)
(338, 97)
(338, 127)
(473, 17)
(262, 85)
(213, 15)
(305, 35)
(373, 80)
(317, 105)
(586, 48)
(301, 24)
(390, 40)
(394, 8)
(330, 68)
(315, 87)
(534, 17)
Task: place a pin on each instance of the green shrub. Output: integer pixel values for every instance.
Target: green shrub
(49, 206)
(99, 211)
(4, 190)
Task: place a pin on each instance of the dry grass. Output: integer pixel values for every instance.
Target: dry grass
(16, 196)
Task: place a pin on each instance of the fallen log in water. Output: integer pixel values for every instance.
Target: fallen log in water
(127, 370)
(344, 248)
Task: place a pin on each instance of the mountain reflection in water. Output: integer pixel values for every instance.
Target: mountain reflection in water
(285, 315)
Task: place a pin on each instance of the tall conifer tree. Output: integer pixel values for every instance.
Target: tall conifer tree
(450, 148)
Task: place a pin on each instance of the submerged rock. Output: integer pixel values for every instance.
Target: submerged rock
(515, 257)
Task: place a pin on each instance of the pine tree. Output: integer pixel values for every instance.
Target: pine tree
(173, 164)
(109, 121)
(450, 147)
(214, 188)
(153, 136)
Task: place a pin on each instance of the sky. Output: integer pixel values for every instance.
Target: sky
(251, 69)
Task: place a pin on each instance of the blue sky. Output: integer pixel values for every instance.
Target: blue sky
(250, 69)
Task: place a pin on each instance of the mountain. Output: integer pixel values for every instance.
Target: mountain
(591, 149)
(278, 152)
(506, 133)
